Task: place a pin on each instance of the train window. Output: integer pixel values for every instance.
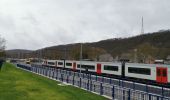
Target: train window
(164, 73)
(158, 72)
(51, 63)
(111, 68)
(68, 64)
(60, 63)
(145, 71)
(91, 67)
(78, 66)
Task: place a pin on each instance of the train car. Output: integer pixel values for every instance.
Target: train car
(51, 63)
(87, 66)
(70, 65)
(111, 69)
(44, 62)
(148, 72)
(54, 63)
(60, 63)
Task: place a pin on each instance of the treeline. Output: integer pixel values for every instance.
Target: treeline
(156, 45)
(144, 47)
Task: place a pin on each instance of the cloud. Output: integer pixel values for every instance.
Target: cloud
(33, 24)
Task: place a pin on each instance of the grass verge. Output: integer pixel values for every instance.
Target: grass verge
(17, 84)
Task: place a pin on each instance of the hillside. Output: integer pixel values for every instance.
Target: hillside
(157, 43)
(146, 46)
(15, 53)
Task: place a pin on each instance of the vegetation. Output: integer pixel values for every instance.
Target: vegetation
(146, 46)
(16, 84)
(2, 47)
(158, 41)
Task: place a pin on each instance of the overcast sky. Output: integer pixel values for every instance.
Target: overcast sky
(34, 24)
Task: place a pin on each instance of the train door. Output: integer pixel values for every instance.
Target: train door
(161, 75)
(74, 66)
(98, 68)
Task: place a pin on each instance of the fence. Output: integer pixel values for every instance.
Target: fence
(107, 87)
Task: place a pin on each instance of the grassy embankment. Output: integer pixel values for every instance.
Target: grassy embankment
(16, 84)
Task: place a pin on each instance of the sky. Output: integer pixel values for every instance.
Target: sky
(35, 24)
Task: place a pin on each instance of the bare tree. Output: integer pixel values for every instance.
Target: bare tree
(2, 46)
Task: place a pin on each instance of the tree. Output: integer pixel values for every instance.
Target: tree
(147, 52)
(2, 46)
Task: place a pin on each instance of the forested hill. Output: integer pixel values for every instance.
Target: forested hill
(151, 45)
(155, 44)
(15, 53)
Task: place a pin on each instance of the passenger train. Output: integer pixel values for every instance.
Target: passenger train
(146, 73)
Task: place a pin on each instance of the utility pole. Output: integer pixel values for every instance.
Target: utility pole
(65, 53)
(81, 47)
(18, 55)
(40, 55)
(135, 55)
(142, 28)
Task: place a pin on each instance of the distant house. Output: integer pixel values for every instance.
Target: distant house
(125, 57)
(106, 57)
(168, 59)
(159, 61)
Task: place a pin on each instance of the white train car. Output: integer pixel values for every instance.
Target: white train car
(70, 65)
(154, 72)
(44, 63)
(159, 73)
(51, 63)
(141, 71)
(111, 68)
(60, 63)
(90, 65)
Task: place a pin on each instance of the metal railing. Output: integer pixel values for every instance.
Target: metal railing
(110, 88)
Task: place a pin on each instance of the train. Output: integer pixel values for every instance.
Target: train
(158, 74)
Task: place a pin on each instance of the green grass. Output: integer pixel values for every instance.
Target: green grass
(16, 84)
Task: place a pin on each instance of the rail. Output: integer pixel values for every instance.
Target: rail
(110, 88)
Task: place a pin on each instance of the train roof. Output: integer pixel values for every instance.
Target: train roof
(109, 62)
(129, 64)
(151, 65)
(51, 60)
